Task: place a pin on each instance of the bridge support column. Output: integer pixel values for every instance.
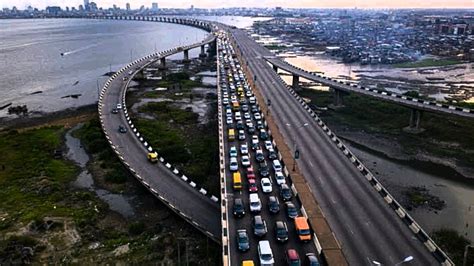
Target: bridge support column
(338, 98)
(162, 63)
(296, 82)
(415, 122)
(203, 51)
(186, 55)
(275, 68)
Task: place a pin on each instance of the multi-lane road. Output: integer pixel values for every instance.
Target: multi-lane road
(363, 223)
(179, 195)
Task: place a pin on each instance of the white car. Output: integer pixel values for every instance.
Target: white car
(280, 178)
(266, 185)
(244, 149)
(119, 106)
(247, 115)
(225, 101)
(229, 120)
(254, 139)
(268, 145)
(257, 116)
(233, 151)
(245, 160)
(234, 165)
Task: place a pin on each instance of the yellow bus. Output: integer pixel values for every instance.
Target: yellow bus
(237, 181)
(231, 134)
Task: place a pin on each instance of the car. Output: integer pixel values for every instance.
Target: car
(243, 242)
(263, 169)
(251, 130)
(265, 253)
(260, 125)
(291, 210)
(259, 226)
(247, 115)
(229, 121)
(124, 78)
(233, 165)
(272, 155)
(266, 185)
(244, 108)
(268, 145)
(280, 178)
(254, 139)
(248, 93)
(119, 106)
(115, 111)
(245, 160)
(225, 101)
(276, 165)
(228, 112)
(241, 135)
(250, 173)
(273, 205)
(259, 157)
(238, 116)
(254, 109)
(122, 129)
(255, 203)
(238, 208)
(233, 151)
(252, 100)
(257, 116)
(252, 185)
(285, 192)
(240, 125)
(292, 257)
(263, 134)
(244, 149)
(281, 231)
(311, 259)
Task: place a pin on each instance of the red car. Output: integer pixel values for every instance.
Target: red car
(252, 185)
(250, 173)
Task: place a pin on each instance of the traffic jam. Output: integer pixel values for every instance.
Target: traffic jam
(266, 226)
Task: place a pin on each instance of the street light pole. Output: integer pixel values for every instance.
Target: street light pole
(295, 147)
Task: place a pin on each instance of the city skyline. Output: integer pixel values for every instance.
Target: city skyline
(22, 4)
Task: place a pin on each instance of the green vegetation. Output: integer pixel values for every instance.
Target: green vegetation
(275, 47)
(34, 183)
(429, 63)
(94, 142)
(453, 244)
(444, 136)
(178, 137)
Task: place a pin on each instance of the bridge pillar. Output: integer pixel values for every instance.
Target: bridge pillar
(162, 63)
(186, 55)
(203, 51)
(415, 122)
(338, 98)
(296, 82)
(275, 68)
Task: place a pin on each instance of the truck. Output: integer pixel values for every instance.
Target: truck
(152, 157)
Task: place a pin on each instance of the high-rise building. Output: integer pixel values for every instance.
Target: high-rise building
(127, 6)
(154, 6)
(87, 6)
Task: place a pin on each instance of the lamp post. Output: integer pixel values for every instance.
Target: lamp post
(296, 154)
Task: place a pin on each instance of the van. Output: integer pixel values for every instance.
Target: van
(302, 228)
(235, 105)
(237, 181)
(231, 134)
(276, 165)
(265, 253)
(255, 204)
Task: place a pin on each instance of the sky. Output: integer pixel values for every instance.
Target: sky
(21, 4)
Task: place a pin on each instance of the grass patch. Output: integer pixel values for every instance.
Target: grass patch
(428, 63)
(444, 135)
(34, 183)
(453, 243)
(275, 47)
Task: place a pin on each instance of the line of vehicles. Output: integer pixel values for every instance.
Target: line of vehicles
(255, 179)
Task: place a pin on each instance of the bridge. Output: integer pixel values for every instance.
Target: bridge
(366, 220)
(340, 87)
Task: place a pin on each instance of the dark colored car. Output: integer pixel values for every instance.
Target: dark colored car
(311, 260)
(238, 209)
(122, 129)
(263, 134)
(243, 242)
(254, 109)
(263, 169)
(259, 156)
(244, 107)
(240, 125)
(291, 210)
(285, 192)
(260, 125)
(292, 258)
(273, 204)
(251, 130)
(259, 226)
(281, 231)
(115, 111)
(272, 155)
